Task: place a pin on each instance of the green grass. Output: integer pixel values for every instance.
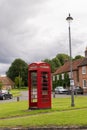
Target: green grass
(61, 114)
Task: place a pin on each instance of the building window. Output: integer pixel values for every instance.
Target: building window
(53, 78)
(62, 76)
(84, 70)
(57, 77)
(84, 83)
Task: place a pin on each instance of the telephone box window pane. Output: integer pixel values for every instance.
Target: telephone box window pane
(45, 84)
(44, 77)
(34, 86)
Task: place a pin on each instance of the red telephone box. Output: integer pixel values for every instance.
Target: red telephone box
(39, 82)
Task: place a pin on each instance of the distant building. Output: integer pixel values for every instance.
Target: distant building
(79, 71)
(6, 82)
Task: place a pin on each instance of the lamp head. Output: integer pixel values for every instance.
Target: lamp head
(69, 18)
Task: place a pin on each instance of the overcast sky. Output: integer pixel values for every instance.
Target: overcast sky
(34, 30)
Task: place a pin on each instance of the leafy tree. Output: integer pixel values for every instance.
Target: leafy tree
(52, 64)
(53, 85)
(47, 60)
(62, 58)
(78, 57)
(18, 67)
(18, 82)
(56, 62)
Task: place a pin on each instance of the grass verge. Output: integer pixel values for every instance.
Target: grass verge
(61, 114)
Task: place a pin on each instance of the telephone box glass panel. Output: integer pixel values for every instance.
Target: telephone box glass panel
(34, 86)
(45, 84)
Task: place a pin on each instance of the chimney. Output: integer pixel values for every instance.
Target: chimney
(86, 53)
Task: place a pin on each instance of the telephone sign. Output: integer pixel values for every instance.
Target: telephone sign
(72, 82)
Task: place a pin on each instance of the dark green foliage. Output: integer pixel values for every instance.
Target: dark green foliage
(62, 58)
(18, 67)
(56, 82)
(66, 82)
(52, 64)
(54, 85)
(60, 82)
(19, 82)
(78, 57)
(57, 61)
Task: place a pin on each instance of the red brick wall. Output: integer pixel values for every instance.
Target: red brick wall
(82, 77)
(75, 77)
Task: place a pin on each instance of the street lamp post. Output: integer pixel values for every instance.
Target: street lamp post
(69, 19)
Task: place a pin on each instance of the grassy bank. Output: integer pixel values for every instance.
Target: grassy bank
(17, 113)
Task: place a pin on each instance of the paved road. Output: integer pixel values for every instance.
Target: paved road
(24, 96)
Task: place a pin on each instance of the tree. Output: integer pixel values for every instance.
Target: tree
(18, 82)
(18, 68)
(56, 62)
(52, 64)
(62, 58)
(78, 57)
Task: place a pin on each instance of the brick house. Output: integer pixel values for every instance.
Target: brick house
(6, 82)
(79, 71)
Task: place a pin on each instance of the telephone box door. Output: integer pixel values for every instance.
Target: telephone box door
(45, 90)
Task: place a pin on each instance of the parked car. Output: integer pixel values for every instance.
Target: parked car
(77, 90)
(60, 90)
(4, 94)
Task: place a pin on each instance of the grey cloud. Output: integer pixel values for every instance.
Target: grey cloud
(14, 33)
